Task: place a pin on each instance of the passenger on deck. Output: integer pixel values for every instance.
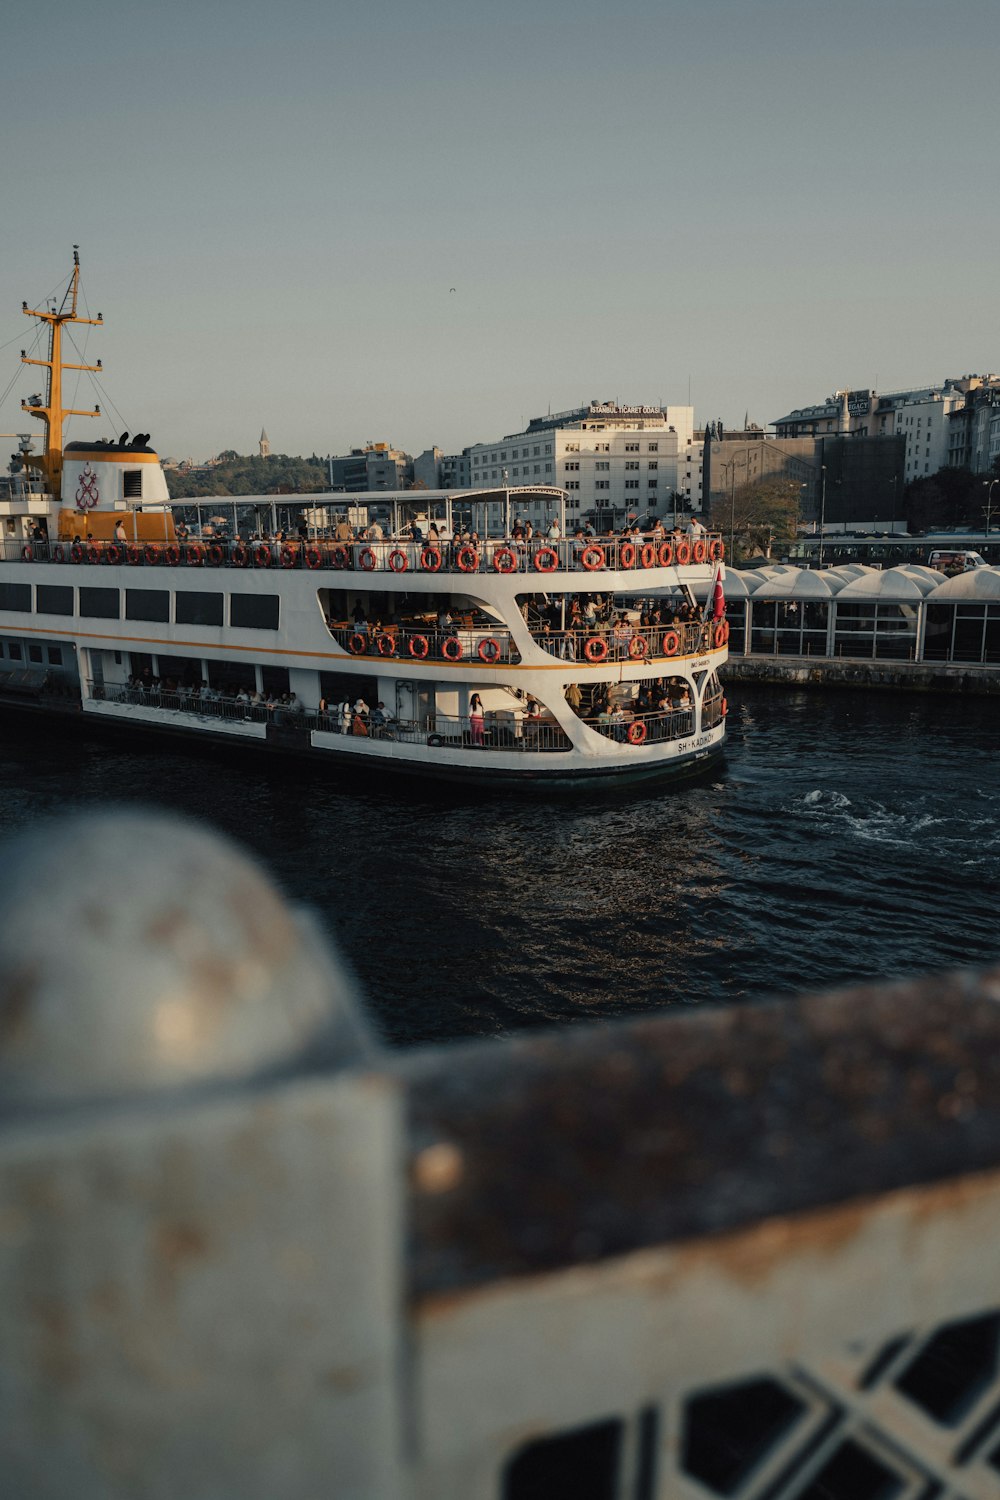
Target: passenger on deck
(477, 718)
(381, 722)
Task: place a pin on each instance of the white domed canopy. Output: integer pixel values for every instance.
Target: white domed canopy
(799, 584)
(890, 587)
(925, 578)
(978, 583)
(735, 585)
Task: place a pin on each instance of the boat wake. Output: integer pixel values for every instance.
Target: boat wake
(973, 840)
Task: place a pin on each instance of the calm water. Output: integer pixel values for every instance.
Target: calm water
(847, 837)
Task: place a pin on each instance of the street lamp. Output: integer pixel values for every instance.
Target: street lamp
(988, 485)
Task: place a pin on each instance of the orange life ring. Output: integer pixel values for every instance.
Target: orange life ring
(725, 708)
(314, 558)
(593, 557)
(367, 559)
(431, 559)
(671, 643)
(468, 561)
(262, 555)
(636, 733)
(699, 551)
(505, 560)
(683, 554)
(648, 556)
(666, 554)
(151, 554)
(114, 553)
(195, 555)
(238, 556)
(451, 648)
(93, 553)
(173, 556)
(386, 645)
(596, 649)
(626, 555)
(28, 552)
(339, 556)
(546, 560)
(398, 561)
(57, 554)
(215, 555)
(76, 552)
(357, 644)
(638, 647)
(418, 647)
(489, 650)
(716, 550)
(288, 555)
(721, 634)
(134, 554)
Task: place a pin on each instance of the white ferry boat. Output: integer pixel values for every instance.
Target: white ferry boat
(450, 634)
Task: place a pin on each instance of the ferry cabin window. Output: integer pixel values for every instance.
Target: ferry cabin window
(53, 599)
(133, 484)
(274, 681)
(253, 611)
(14, 651)
(34, 653)
(147, 604)
(100, 604)
(15, 596)
(55, 656)
(198, 608)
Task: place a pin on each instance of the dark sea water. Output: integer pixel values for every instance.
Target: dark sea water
(846, 837)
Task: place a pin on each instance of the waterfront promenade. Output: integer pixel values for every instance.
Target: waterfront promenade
(841, 672)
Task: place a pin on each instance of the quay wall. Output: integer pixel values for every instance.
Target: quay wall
(743, 1251)
(835, 672)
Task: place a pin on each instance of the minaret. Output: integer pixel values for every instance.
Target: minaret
(265, 446)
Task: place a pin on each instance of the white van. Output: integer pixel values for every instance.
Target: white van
(952, 561)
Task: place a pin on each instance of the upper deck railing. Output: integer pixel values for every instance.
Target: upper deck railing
(538, 559)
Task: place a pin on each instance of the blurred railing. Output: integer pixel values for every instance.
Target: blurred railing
(736, 1251)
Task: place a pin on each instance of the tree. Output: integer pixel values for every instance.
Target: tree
(951, 497)
(757, 516)
(249, 475)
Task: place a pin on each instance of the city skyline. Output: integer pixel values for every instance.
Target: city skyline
(425, 227)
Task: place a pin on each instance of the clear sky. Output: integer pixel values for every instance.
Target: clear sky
(759, 200)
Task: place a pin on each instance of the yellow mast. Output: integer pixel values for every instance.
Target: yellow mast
(52, 413)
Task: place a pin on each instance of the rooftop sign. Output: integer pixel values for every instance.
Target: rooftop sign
(609, 409)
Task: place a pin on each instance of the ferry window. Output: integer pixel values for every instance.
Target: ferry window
(55, 656)
(254, 611)
(196, 608)
(133, 484)
(15, 651)
(147, 604)
(53, 599)
(34, 653)
(100, 604)
(15, 596)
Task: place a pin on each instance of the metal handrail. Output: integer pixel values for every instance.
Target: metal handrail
(493, 646)
(538, 558)
(515, 731)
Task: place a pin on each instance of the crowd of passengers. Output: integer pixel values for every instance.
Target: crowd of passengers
(423, 534)
(656, 704)
(589, 614)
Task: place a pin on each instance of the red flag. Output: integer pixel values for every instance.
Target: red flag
(715, 602)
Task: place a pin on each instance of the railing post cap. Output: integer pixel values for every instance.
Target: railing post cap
(142, 953)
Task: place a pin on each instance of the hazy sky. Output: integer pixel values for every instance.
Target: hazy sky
(762, 199)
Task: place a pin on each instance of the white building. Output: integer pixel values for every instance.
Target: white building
(613, 461)
(924, 424)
